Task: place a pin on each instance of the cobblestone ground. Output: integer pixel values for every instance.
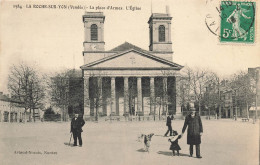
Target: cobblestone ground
(224, 142)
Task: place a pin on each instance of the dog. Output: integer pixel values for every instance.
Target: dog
(147, 141)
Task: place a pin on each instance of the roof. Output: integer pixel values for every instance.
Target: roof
(4, 98)
(8, 99)
(127, 46)
(132, 48)
(164, 16)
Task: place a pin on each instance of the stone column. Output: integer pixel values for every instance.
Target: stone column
(100, 103)
(165, 95)
(169, 29)
(104, 97)
(152, 96)
(102, 32)
(139, 96)
(86, 97)
(113, 95)
(178, 98)
(126, 96)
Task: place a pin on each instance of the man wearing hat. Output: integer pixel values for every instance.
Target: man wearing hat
(76, 128)
(169, 125)
(195, 130)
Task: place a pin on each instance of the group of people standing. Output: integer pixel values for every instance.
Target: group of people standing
(194, 133)
(192, 121)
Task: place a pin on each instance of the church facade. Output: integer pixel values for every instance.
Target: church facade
(128, 80)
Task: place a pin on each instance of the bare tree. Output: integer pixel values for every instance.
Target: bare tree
(163, 101)
(98, 94)
(26, 86)
(58, 90)
(185, 91)
(66, 91)
(245, 90)
(212, 96)
(198, 79)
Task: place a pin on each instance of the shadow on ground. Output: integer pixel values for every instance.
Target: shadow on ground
(141, 150)
(169, 153)
(68, 144)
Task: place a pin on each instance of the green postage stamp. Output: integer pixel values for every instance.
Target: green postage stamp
(237, 21)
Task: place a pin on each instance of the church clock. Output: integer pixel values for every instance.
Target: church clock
(93, 47)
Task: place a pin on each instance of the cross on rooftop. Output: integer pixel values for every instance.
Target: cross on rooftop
(133, 60)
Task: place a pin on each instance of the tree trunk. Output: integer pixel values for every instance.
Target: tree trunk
(30, 117)
(24, 115)
(61, 114)
(97, 103)
(154, 110)
(247, 111)
(236, 113)
(160, 108)
(154, 106)
(33, 115)
(199, 108)
(219, 111)
(160, 112)
(209, 113)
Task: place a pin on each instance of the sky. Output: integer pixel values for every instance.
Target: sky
(52, 39)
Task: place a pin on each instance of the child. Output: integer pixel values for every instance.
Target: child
(174, 143)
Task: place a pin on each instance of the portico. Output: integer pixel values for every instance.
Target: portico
(139, 89)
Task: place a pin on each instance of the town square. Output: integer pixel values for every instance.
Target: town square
(129, 83)
(117, 143)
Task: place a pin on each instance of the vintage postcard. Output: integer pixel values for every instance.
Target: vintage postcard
(129, 82)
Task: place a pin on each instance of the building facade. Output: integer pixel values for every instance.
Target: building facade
(128, 80)
(238, 98)
(10, 111)
(255, 80)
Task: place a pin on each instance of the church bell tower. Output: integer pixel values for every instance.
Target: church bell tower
(94, 31)
(160, 32)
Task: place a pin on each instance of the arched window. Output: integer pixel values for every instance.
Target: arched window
(161, 33)
(94, 32)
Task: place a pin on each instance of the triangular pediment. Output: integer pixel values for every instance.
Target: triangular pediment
(132, 59)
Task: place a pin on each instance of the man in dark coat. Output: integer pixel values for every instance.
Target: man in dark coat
(76, 129)
(169, 125)
(195, 131)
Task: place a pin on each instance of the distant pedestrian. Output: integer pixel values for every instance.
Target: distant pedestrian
(174, 143)
(195, 130)
(169, 125)
(76, 128)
